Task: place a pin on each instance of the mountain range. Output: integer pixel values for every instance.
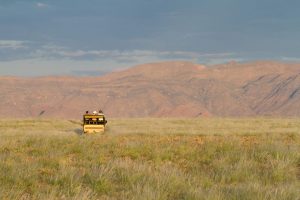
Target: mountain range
(165, 89)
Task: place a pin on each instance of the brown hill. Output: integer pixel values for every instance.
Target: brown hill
(167, 89)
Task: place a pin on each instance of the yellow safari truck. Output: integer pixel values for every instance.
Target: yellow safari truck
(94, 123)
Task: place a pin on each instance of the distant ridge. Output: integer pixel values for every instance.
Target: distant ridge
(165, 89)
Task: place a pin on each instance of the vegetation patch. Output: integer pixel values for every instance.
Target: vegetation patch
(151, 159)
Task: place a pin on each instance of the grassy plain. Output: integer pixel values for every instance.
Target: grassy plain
(151, 159)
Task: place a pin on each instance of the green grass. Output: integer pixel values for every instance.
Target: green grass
(151, 159)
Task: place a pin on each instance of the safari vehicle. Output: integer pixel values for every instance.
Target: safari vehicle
(94, 123)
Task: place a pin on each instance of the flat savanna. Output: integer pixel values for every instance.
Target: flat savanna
(211, 158)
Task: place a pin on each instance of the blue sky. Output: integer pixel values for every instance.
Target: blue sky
(92, 37)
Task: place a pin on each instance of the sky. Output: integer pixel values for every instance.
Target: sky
(94, 37)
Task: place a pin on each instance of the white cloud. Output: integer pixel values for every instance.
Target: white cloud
(140, 53)
(39, 67)
(12, 44)
(41, 5)
(133, 57)
(290, 59)
(52, 51)
(38, 59)
(128, 57)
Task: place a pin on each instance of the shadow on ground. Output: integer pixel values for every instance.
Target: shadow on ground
(78, 131)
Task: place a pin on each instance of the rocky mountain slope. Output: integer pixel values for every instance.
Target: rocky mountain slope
(167, 89)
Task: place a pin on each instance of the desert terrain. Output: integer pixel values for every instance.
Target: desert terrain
(166, 89)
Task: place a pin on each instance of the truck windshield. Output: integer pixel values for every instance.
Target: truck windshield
(94, 121)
